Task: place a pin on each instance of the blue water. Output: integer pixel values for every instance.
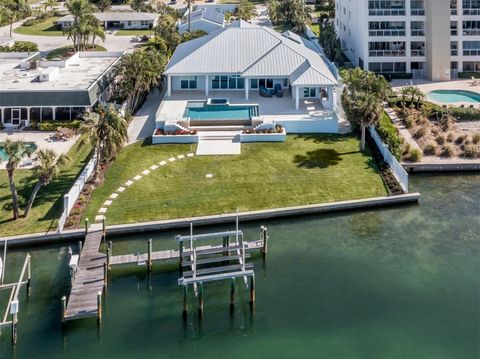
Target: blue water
(453, 96)
(219, 112)
(3, 155)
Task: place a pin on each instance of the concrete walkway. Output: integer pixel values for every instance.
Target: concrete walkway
(143, 123)
(214, 143)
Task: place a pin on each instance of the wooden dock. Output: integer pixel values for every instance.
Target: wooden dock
(89, 278)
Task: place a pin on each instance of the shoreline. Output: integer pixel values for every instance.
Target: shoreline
(125, 229)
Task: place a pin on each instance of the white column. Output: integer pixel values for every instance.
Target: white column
(54, 110)
(3, 115)
(169, 86)
(297, 98)
(247, 86)
(28, 117)
(207, 79)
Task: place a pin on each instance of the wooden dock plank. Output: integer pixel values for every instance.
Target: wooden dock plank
(88, 280)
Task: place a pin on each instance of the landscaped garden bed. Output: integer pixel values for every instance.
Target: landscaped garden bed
(179, 136)
(306, 169)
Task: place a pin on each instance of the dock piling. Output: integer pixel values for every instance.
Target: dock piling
(265, 241)
(104, 229)
(99, 307)
(180, 252)
(232, 293)
(149, 261)
(29, 276)
(79, 249)
(252, 289)
(14, 328)
(64, 307)
(105, 275)
(86, 226)
(109, 254)
(200, 299)
(185, 300)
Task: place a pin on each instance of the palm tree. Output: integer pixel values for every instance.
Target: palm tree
(189, 15)
(245, 10)
(80, 30)
(96, 30)
(274, 12)
(47, 169)
(15, 151)
(106, 131)
(137, 74)
(166, 30)
(363, 97)
(49, 4)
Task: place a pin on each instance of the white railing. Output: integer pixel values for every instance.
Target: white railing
(72, 195)
(398, 171)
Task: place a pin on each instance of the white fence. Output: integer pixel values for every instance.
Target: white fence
(71, 196)
(398, 171)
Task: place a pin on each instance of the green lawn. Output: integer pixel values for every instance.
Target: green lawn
(48, 204)
(133, 32)
(304, 170)
(61, 52)
(315, 28)
(45, 28)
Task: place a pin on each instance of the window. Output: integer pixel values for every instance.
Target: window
(309, 92)
(254, 83)
(232, 82)
(188, 82)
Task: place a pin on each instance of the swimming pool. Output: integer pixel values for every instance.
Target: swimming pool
(201, 111)
(3, 155)
(454, 96)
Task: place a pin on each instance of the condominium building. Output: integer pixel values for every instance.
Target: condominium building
(435, 39)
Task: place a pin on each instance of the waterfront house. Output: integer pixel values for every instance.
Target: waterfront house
(118, 20)
(207, 19)
(34, 89)
(283, 75)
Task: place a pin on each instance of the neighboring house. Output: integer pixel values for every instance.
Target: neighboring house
(118, 20)
(207, 19)
(7, 41)
(33, 89)
(435, 39)
(245, 57)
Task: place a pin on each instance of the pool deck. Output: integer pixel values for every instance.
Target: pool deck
(41, 139)
(427, 86)
(270, 109)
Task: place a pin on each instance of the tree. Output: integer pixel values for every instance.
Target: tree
(83, 22)
(273, 8)
(292, 13)
(47, 169)
(96, 30)
(187, 36)
(330, 44)
(103, 5)
(137, 74)
(13, 10)
(15, 151)
(245, 10)
(414, 93)
(49, 4)
(106, 131)
(363, 97)
(166, 31)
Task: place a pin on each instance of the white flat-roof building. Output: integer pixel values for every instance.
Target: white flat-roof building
(33, 89)
(118, 20)
(435, 39)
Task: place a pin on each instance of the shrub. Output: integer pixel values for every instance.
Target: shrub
(53, 125)
(406, 149)
(460, 139)
(420, 132)
(447, 151)
(471, 151)
(389, 134)
(440, 139)
(410, 121)
(430, 149)
(476, 138)
(450, 137)
(415, 155)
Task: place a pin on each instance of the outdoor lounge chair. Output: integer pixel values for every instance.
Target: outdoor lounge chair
(264, 92)
(474, 81)
(278, 90)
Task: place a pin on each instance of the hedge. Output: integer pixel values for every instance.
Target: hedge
(469, 75)
(53, 125)
(389, 134)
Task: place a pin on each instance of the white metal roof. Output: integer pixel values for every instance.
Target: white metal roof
(208, 14)
(251, 51)
(117, 16)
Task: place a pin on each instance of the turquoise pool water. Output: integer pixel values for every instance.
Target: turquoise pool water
(387, 283)
(220, 112)
(3, 155)
(454, 96)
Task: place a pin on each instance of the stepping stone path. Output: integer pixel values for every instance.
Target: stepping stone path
(113, 196)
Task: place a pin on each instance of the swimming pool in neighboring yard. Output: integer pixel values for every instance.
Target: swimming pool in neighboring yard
(202, 111)
(454, 96)
(3, 155)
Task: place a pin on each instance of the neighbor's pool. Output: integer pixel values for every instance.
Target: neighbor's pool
(202, 111)
(3, 155)
(454, 96)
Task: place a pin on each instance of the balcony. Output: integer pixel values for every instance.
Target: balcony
(418, 33)
(471, 11)
(471, 32)
(472, 52)
(386, 33)
(387, 53)
(386, 12)
(417, 53)
(417, 12)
